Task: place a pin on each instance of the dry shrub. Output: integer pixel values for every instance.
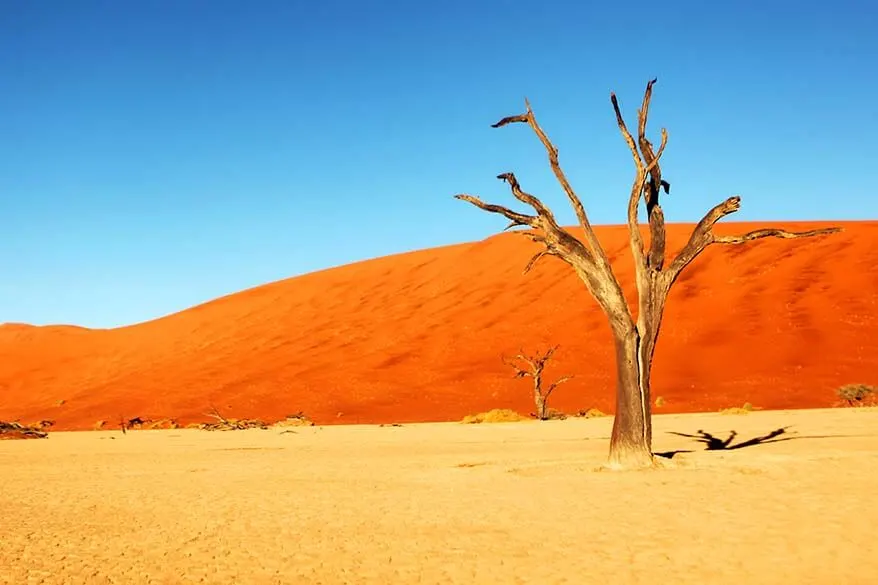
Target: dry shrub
(15, 430)
(234, 424)
(747, 408)
(590, 413)
(858, 395)
(659, 402)
(498, 415)
(552, 414)
(295, 420)
(231, 424)
(100, 424)
(164, 424)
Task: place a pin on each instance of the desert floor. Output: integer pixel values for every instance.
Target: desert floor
(446, 503)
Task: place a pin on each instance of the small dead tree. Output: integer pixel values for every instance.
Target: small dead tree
(535, 365)
(635, 333)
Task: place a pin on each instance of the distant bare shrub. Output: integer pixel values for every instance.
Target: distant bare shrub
(498, 415)
(857, 394)
(747, 408)
(659, 402)
(534, 365)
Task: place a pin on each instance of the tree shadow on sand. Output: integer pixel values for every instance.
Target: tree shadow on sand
(714, 443)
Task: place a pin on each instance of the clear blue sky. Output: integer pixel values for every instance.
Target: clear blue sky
(155, 155)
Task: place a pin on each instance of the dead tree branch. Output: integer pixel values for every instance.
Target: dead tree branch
(14, 430)
(588, 258)
(654, 213)
(703, 236)
(555, 384)
(230, 424)
(773, 233)
(647, 183)
(597, 252)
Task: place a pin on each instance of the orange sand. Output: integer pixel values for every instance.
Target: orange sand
(419, 336)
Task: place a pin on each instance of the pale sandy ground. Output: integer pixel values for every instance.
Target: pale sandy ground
(444, 503)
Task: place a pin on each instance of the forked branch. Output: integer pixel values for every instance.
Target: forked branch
(656, 183)
(594, 246)
(535, 364)
(647, 183)
(587, 257)
(557, 241)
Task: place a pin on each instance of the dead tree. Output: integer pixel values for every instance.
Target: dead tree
(635, 332)
(535, 366)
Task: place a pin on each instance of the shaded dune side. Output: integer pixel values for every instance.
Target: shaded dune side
(419, 336)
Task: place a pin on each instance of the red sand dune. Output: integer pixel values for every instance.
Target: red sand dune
(419, 337)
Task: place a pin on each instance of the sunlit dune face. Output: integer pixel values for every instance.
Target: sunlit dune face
(419, 337)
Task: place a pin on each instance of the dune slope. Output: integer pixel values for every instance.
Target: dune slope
(419, 337)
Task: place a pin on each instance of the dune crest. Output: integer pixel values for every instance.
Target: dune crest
(419, 337)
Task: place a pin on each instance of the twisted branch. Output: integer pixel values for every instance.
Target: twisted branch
(773, 233)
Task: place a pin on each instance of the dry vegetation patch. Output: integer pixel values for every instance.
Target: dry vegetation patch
(497, 415)
(229, 424)
(295, 420)
(165, 423)
(233, 424)
(14, 430)
(747, 408)
(858, 395)
(590, 413)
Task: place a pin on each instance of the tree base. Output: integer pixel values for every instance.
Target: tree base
(624, 458)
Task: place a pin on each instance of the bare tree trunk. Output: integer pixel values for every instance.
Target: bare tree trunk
(539, 398)
(631, 441)
(542, 410)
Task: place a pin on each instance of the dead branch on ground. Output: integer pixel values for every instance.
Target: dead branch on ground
(14, 430)
(230, 424)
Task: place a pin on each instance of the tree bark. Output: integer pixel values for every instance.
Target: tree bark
(540, 401)
(630, 443)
